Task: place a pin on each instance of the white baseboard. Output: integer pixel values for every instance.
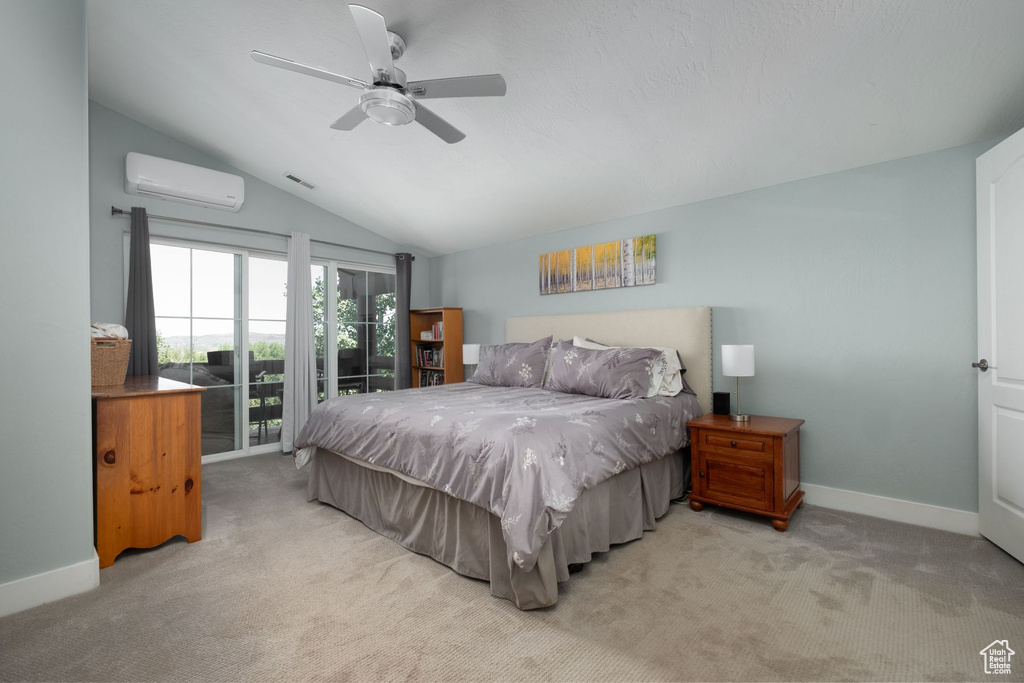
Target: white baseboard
(55, 584)
(921, 514)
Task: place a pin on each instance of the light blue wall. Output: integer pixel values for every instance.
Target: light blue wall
(856, 288)
(112, 136)
(46, 432)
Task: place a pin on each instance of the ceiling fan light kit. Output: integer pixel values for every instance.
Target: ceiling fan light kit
(388, 98)
(387, 106)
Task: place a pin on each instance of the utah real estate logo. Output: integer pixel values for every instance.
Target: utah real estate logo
(997, 657)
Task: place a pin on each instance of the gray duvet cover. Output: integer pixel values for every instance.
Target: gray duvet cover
(523, 454)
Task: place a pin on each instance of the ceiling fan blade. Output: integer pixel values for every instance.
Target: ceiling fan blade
(280, 62)
(492, 85)
(374, 34)
(436, 125)
(350, 119)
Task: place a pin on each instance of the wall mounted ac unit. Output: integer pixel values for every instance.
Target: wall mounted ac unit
(178, 182)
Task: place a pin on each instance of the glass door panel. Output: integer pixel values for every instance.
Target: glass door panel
(381, 291)
(171, 267)
(351, 334)
(351, 385)
(366, 331)
(268, 289)
(221, 415)
(214, 284)
(198, 321)
(381, 301)
(174, 348)
(318, 277)
(268, 306)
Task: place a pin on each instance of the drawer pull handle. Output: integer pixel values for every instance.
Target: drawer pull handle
(701, 475)
(109, 457)
(188, 484)
(733, 444)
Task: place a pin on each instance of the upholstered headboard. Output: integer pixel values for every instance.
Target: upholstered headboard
(687, 330)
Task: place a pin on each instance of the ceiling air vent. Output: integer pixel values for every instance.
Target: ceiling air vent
(300, 181)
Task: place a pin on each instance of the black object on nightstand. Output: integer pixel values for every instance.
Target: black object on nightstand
(720, 402)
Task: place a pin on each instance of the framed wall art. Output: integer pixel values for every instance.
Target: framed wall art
(620, 263)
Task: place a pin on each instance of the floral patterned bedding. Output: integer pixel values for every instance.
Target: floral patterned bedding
(523, 454)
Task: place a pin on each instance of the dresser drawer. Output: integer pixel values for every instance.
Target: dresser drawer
(746, 444)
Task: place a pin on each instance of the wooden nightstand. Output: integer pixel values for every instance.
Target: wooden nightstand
(751, 466)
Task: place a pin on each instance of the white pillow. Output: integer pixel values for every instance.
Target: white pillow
(667, 375)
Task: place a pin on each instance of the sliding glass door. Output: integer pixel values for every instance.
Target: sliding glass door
(366, 331)
(353, 314)
(220, 315)
(268, 305)
(196, 295)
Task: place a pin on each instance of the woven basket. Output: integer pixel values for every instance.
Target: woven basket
(109, 360)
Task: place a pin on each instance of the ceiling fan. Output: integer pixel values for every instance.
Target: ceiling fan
(387, 97)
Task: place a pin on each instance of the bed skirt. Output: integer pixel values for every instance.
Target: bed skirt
(468, 538)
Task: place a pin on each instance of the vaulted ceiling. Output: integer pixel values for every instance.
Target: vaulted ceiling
(614, 107)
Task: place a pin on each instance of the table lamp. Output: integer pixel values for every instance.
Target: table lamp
(471, 355)
(738, 361)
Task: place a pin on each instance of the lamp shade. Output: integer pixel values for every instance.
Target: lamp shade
(738, 360)
(470, 354)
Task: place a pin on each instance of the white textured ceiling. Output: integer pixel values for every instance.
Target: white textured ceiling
(614, 107)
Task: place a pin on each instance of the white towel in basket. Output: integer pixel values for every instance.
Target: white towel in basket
(108, 330)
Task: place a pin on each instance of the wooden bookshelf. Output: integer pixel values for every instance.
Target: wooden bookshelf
(444, 365)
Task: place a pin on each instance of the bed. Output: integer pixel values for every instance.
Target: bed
(513, 485)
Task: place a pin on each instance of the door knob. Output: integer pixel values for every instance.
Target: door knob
(982, 365)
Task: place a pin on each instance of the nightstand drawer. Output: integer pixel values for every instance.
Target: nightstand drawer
(731, 441)
(741, 481)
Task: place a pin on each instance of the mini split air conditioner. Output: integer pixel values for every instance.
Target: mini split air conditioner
(178, 182)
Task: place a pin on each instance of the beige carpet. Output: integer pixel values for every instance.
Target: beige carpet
(282, 589)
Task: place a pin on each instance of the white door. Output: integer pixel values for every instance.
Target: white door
(1001, 345)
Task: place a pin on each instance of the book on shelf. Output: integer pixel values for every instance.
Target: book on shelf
(438, 330)
(428, 356)
(431, 378)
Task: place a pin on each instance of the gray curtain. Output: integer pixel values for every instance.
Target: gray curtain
(139, 316)
(299, 348)
(403, 333)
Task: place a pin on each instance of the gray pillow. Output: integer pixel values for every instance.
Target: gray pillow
(512, 365)
(609, 373)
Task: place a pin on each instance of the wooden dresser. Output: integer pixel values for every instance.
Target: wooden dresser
(752, 466)
(147, 441)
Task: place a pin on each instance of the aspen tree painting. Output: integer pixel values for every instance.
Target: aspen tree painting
(644, 251)
(584, 268)
(621, 263)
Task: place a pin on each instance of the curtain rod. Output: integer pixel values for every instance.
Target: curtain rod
(114, 211)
